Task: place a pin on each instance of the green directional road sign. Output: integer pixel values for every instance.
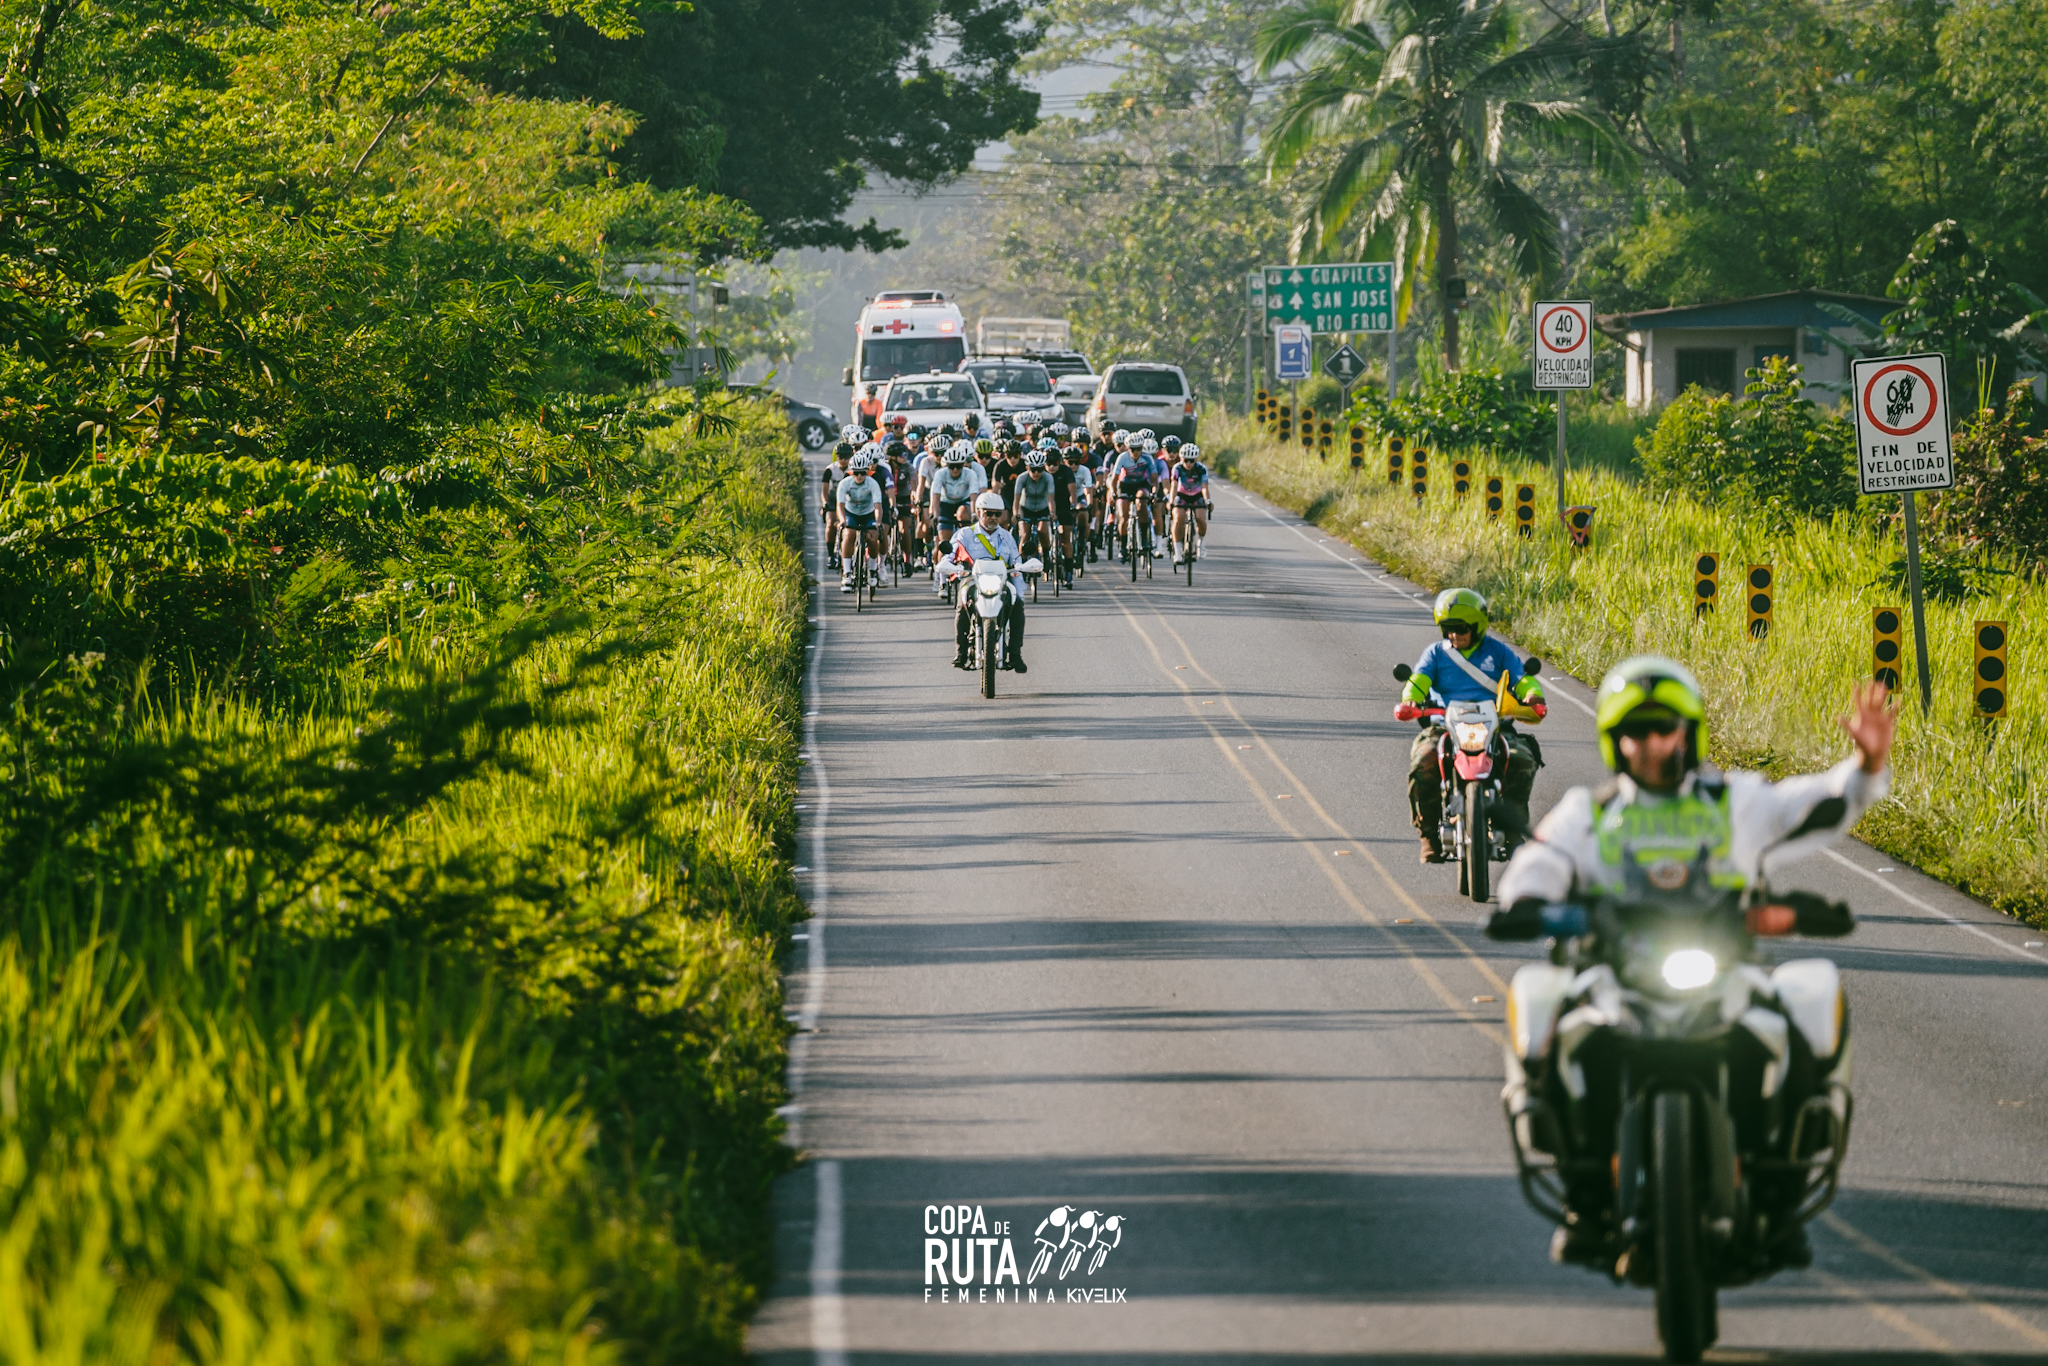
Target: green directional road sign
(1353, 298)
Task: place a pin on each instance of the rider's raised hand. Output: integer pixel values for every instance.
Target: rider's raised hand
(1872, 725)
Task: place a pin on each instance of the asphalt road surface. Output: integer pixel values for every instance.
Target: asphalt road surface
(1146, 936)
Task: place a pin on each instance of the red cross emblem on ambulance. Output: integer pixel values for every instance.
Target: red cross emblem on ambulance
(899, 327)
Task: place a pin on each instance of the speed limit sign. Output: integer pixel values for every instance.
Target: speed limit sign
(1902, 424)
(1564, 344)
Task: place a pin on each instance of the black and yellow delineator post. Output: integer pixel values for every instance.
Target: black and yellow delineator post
(1461, 477)
(1261, 411)
(1706, 581)
(1396, 448)
(1578, 524)
(1418, 474)
(1525, 510)
(1496, 496)
(1887, 645)
(1285, 422)
(1357, 447)
(1308, 429)
(1326, 434)
(1761, 588)
(1988, 679)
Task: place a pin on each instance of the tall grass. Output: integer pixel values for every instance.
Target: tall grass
(1966, 805)
(432, 1019)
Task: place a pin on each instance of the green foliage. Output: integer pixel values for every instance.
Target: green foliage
(2001, 495)
(1958, 302)
(1465, 411)
(1772, 449)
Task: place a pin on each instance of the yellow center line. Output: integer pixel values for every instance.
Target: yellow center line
(1314, 846)
(1997, 1313)
(1894, 1319)
(1303, 790)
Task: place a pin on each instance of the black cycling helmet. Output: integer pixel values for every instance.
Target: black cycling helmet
(843, 450)
(1172, 443)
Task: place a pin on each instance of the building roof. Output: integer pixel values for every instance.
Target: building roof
(1793, 308)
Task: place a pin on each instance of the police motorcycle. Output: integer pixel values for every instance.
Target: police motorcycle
(1677, 1107)
(984, 587)
(1472, 756)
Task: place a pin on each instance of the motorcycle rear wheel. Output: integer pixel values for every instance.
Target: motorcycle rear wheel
(1685, 1302)
(1478, 843)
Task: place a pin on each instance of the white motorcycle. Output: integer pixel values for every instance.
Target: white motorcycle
(1678, 1107)
(985, 588)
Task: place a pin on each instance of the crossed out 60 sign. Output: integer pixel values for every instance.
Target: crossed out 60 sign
(1902, 424)
(1564, 344)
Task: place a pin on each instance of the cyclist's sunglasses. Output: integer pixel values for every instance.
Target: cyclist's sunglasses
(1636, 727)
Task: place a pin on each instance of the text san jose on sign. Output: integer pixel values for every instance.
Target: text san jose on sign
(1902, 443)
(1358, 297)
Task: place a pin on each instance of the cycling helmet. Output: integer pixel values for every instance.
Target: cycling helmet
(1462, 605)
(1035, 460)
(1171, 444)
(1147, 434)
(862, 463)
(1060, 429)
(1150, 448)
(896, 450)
(990, 501)
(948, 430)
(842, 451)
(956, 455)
(852, 432)
(1650, 689)
(1190, 452)
(1046, 443)
(939, 444)
(984, 446)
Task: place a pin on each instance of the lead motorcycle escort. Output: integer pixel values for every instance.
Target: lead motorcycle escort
(1472, 755)
(985, 587)
(1678, 1106)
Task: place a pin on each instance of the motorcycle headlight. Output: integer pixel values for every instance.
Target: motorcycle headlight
(1689, 969)
(989, 587)
(1470, 736)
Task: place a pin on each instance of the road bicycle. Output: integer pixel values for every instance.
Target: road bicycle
(1037, 543)
(1138, 535)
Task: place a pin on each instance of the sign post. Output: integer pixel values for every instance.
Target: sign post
(1902, 447)
(1354, 297)
(1255, 309)
(1563, 360)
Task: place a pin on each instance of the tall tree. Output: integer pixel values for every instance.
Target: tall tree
(1421, 104)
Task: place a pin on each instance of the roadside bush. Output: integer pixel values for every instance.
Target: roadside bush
(2001, 495)
(1772, 448)
(1466, 411)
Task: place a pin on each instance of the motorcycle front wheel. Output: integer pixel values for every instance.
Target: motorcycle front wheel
(989, 642)
(1478, 842)
(1685, 1302)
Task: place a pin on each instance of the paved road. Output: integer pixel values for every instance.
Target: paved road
(1147, 936)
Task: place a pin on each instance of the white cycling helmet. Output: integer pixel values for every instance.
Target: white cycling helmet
(989, 502)
(938, 444)
(1150, 448)
(1035, 460)
(956, 455)
(1146, 434)
(1190, 452)
(862, 463)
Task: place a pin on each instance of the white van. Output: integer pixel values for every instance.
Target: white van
(1138, 393)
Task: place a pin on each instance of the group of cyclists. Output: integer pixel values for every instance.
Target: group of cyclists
(1064, 496)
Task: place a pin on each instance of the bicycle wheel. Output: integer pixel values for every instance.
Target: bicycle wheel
(1187, 549)
(860, 573)
(1131, 548)
(1147, 532)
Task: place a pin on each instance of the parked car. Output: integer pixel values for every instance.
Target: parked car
(1074, 393)
(932, 400)
(816, 425)
(1014, 388)
(1145, 394)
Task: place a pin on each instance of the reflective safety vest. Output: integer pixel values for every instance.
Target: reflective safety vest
(1663, 829)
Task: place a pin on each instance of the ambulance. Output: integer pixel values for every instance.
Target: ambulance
(902, 332)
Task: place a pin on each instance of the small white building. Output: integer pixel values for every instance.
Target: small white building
(1671, 349)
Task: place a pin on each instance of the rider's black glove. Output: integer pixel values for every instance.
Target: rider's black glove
(1523, 920)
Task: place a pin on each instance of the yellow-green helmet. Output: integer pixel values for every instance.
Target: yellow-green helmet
(1462, 604)
(1650, 681)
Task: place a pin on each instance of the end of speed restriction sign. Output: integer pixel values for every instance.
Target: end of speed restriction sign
(1902, 424)
(1564, 344)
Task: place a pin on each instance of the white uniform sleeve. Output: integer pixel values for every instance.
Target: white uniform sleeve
(1763, 812)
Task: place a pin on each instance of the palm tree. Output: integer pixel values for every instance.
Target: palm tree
(1422, 100)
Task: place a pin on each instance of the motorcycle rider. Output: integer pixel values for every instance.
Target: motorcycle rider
(1666, 799)
(986, 538)
(1466, 666)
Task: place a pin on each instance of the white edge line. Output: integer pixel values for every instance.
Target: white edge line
(1933, 910)
(828, 1233)
(1380, 579)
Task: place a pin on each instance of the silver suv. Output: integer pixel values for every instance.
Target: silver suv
(1145, 394)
